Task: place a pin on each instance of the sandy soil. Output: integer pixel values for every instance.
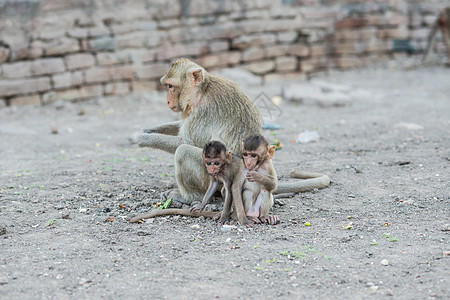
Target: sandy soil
(380, 230)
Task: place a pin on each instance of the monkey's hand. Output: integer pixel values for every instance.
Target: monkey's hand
(253, 176)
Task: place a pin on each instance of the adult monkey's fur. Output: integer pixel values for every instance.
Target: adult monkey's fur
(212, 108)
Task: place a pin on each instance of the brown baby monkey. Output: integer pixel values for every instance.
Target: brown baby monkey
(221, 167)
(255, 182)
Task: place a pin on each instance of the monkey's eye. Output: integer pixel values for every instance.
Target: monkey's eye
(216, 163)
(208, 163)
(169, 86)
(245, 154)
(254, 155)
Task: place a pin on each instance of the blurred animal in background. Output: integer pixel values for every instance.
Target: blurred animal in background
(442, 23)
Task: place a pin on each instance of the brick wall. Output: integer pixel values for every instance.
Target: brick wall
(76, 49)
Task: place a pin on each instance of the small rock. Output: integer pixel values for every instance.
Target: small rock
(59, 276)
(446, 227)
(3, 280)
(195, 226)
(227, 227)
(374, 288)
(408, 126)
(384, 262)
(54, 130)
(2, 230)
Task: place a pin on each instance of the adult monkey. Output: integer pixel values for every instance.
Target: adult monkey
(212, 108)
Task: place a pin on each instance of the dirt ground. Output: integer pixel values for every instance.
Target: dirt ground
(70, 177)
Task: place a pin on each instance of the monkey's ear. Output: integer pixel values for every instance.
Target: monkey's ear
(196, 76)
(229, 158)
(271, 151)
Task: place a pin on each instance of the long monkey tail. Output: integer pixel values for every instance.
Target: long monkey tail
(172, 211)
(312, 181)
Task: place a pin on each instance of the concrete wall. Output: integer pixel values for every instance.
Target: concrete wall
(76, 49)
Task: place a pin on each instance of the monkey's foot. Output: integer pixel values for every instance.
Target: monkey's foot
(254, 220)
(271, 220)
(217, 216)
(174, 194)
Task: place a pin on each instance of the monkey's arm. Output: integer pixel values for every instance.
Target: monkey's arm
(171, 128)
(268, 181)
(212, 188)
(173, 211)
(160, 141)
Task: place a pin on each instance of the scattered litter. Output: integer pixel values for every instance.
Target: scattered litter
(271, 126)
(307, 224)
(307, 137)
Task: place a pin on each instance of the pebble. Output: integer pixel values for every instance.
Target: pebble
(374, 287)
(384, 262)
(195, 226)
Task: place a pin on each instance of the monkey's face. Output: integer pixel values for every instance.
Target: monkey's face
(251, 160)
(173, 97)
(214, 166)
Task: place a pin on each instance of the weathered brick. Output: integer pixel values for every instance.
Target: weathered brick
(218, 46)
(395, 33)
(260, 68)
(78, 33)
(152, 71)
(154, 38)
(122, 72)
(26, 52)
(286, 63)
(191, 49)
(299, 50)
(95, 75)
(62, 46)
(79, 61)
(276, 50)
(116, 58)
(145, 86)
(132, 40)
(318, 50)
(103, 44)
(98, 31)
(47, 66)
(24, 86)
(26, 100)
(347, 35)
(347, 48)
(257, 39)
(66, 80)
(52, 34)
(351, 23)
(252, 53)
(287, 36)
(4, 53)
(117, 88)
(33, 68)
(17, 70)
(220, 59)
